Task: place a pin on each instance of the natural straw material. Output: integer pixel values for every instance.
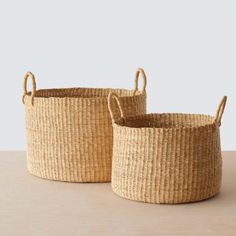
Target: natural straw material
(69, 131)
(166, 158)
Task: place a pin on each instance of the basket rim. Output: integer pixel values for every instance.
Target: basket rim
(117, 125)
(92, 97)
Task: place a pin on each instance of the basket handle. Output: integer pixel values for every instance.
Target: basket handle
(27, 76)
(115, 96)
(137, 75)
(220, 110)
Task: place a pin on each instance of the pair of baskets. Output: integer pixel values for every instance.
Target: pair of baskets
(102, 135)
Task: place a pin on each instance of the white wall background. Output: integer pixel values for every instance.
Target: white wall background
(188, 49)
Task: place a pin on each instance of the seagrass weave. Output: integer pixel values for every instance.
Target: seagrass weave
(69, 131)
(166, 158)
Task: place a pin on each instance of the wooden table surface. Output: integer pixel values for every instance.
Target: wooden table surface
(33, 206)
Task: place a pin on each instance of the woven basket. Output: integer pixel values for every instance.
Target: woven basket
(69, 131)
(166, 158)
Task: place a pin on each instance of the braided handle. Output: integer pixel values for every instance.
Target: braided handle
(27, 76)
(109, 99)
(220, 110)
(137, 75)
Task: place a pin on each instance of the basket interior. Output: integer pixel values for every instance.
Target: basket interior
(166, 120)
(82, 92)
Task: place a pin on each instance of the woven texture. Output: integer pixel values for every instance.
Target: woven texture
(167, 158)
(69, 131)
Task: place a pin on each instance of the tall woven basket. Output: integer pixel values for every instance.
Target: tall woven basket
(166, 158)
(69, 131)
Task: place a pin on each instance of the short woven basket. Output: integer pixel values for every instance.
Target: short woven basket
(166, 158)
(69, 131)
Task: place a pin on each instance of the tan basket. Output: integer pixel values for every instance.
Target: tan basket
(69, 131)
(166, 158)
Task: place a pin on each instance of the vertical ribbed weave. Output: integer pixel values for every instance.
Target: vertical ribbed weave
(166, 158)
(69, 132)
